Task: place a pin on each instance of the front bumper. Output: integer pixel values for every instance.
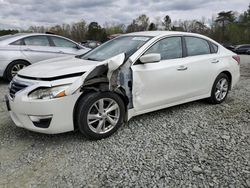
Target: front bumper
(23, 111)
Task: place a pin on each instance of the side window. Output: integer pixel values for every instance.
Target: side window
(18, 42)
(215, 47)
(169, 48)
(60, 42)
(197, 46)
(36, 41)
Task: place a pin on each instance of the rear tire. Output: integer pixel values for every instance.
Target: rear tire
(14, 67)
(220, 89)
(99, 114)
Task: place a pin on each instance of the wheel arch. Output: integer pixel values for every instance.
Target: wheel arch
(24, 60)
(226, 72)
(100, 87)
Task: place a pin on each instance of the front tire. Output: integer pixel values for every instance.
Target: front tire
(99, 114)
(220, 89)
(13, 69)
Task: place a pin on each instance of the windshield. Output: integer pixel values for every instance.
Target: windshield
(124, 44)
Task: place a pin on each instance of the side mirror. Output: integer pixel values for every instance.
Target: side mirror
(150, 58)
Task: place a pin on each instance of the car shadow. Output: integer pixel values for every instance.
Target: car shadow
(3, 82)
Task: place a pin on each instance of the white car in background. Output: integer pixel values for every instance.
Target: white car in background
(20, 50)
(130, 75)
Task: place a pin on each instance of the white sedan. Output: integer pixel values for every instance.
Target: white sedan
(23, 49)
(130, 75)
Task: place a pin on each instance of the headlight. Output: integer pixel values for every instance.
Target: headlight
(48, 93)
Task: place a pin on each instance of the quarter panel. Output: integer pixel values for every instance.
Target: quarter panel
(9, 54)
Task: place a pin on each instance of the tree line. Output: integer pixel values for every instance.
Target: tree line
(227, 27)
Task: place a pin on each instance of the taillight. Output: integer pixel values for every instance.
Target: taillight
(237, 58)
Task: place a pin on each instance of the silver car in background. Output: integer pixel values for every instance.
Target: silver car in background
(20, 50)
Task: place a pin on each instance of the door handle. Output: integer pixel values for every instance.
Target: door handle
(182, 68)
(61, 52)
(215, 61)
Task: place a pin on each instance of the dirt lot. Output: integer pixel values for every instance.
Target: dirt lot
(192, 145)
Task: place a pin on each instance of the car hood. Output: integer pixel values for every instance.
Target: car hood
(58, 67)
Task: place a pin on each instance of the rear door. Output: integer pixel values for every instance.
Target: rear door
(38, 48)
(66, 47)
(202, 63)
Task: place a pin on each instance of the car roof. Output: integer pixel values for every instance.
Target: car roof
(164, 33)
(168, 33)
(160, 33)
(151, 33)
(32, 34)
(18, 36)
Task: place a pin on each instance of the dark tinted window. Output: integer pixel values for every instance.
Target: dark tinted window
(18, 42)
(169, 48)
(36, 41)
(244, 47)
(197, 46)
(60, 42)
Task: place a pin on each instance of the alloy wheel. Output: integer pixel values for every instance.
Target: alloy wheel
(221, 89)
(103, 115)
(16, 68)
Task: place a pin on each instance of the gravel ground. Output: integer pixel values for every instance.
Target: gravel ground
(191, 145)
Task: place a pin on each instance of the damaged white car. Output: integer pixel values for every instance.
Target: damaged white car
(130, 75)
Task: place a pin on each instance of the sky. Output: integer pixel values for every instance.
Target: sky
(20, 14)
